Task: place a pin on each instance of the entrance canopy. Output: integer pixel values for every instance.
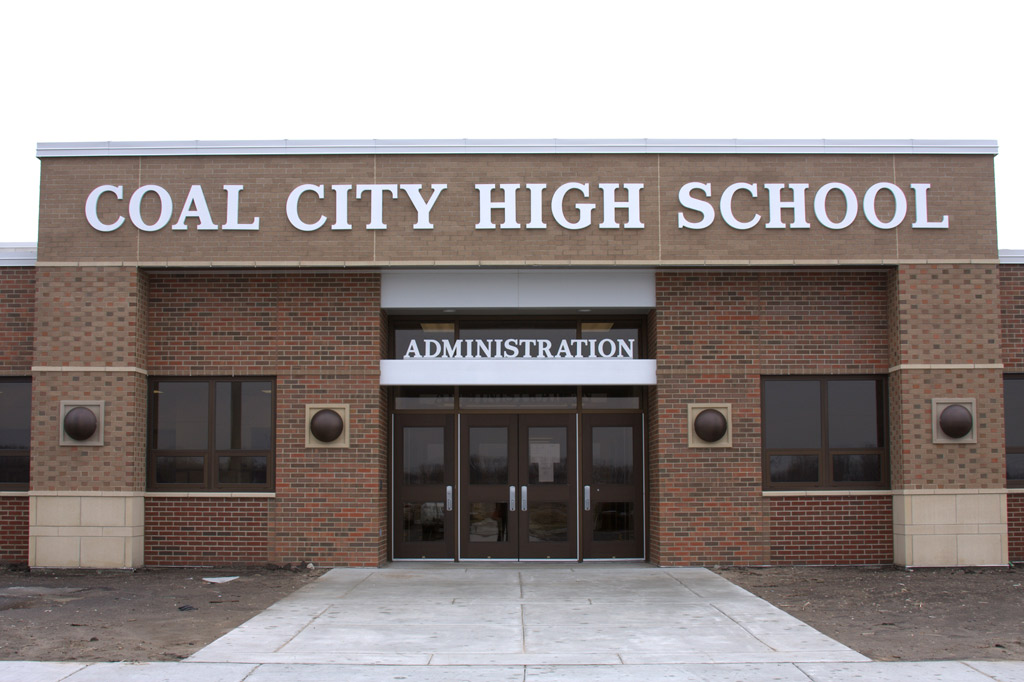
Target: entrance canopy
(510, 362)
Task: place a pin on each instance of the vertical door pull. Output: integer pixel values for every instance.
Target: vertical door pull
(448, 497)
(523, 505)
(511, 498)
(586, 498)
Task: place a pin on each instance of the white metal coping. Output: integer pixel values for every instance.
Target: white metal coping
(18, 253)
(24, 253)
(525, 146)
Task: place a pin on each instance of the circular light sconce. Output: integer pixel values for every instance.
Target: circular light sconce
(80, 423)
(710, 425)
(956, 421)
(326, 426)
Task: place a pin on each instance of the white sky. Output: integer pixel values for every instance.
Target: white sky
(99, 71)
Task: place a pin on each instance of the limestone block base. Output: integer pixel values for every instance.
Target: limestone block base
(74, 529)
(950, 528)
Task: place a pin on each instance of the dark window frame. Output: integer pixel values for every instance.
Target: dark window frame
(210, 454)
(1011, 449)
(18, 486)
(826, 479)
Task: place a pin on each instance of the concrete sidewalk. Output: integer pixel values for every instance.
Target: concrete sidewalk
(497, 622)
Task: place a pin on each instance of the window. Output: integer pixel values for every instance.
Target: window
(211, 434)
(827, 432)
(1013, 406)
(15, 432)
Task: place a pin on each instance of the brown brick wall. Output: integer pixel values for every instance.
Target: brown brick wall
(206, 531)
(1015, 525)
(13, 529)
(962, 188)
(716, 334)
(831, 530)
(93, 318)
(945, 315)
(320, 336)
(17, 309)
(120, 464)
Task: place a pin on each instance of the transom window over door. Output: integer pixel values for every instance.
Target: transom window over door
(211, 434)
(824, 432)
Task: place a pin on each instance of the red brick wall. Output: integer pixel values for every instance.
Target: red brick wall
(17, 310)
(13, 530)
(1011, 298)
(1015, 525)
(831, 530)
(319, 335)
(196, 531)
(715, 334)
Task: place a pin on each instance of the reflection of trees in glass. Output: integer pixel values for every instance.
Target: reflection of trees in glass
(488, 456)
(613, 521)
(488, 522)
(14, 469)
(423, 522)
(612, 455)
(423, 460)
(548, 522)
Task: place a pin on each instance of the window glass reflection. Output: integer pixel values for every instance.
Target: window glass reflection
(546, 398)
(179, 470)
(488, 455)
(182, 415)
(15, 415)
(1013, 405)
(613, 521)
(423, 522)
(547, 452)
(612, 454)
(792, 418)
(860, 467)
(423, 455)
(793, 468)
(240, 470)
(853, 414)
(549, 522)
(488, 522)
(243, 418)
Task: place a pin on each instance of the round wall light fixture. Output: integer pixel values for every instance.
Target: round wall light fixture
(326, 426)
(710, 425)
(956, 421)
(80, 423)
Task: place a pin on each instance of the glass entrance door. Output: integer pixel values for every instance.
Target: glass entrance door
(518, 493)
(424, 487)
(508, 486)
(612, 483)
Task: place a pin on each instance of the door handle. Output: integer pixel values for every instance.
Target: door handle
(511, 498)
(523, 500)
(448, 497)
(586, 498)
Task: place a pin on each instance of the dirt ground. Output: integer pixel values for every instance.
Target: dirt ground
(143, 615)
(891, 614)
(167, 614)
